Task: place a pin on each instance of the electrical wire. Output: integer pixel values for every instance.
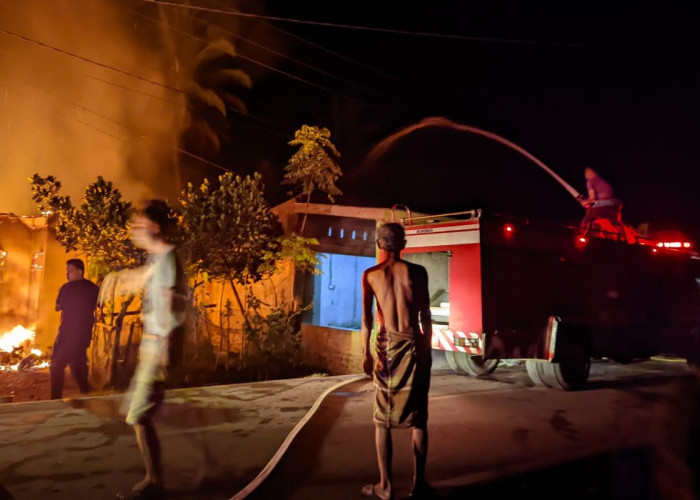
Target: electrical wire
(334, 53)
(343, 57)
(88, 60)
(259, 63)
(109, 134)
(154, 96)
(277, 53)
(394, 31)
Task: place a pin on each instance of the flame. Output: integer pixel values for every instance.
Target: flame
(16, 337)
(20, 336)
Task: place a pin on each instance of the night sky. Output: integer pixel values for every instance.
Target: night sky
(610, 85)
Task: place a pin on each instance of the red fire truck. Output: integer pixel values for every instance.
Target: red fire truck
(510, 288)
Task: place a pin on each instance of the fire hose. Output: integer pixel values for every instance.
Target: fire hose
(439, 121)
(270, 466)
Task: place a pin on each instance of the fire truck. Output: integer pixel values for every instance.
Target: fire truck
(512, 288)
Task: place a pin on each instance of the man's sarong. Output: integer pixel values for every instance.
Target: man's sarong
(402, 380)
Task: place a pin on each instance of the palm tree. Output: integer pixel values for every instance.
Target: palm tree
(212, 83)
(204, 67)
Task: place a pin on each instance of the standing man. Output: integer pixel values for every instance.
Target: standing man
(402, 369)
(76, 300)
(164, 297)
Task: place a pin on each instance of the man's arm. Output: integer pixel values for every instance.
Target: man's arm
(592, 196)
(124, 282)
(59, 306)
(367, 324)
(426, 322)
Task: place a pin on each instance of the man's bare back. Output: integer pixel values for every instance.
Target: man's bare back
(400, 289)
(402, 369)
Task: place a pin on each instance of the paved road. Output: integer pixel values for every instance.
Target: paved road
(216, 439)
(612, 439)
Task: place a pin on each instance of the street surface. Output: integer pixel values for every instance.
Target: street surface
(620, 438)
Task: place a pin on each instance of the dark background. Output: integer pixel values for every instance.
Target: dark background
(609, 84)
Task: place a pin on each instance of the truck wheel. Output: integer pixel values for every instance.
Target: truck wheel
(571, 372)
(477, 365)
(534, 369)
(453, 359)
(464, 364)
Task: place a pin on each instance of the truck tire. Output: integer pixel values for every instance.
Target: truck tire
(477, 365)
(570, 372)
(534, 368)
(464, 364)
(451, 358)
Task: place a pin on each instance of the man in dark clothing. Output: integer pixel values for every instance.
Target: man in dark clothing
(76, 300)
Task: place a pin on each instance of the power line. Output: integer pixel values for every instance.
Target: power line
(397, 31)
(394, 31)
(272, 51)
(44, 64)
(264, 65)
(88, 60)
(331, 52)
(109, 134)
(154, 96)
(339, 55)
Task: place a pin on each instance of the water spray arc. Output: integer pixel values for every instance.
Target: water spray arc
(439, 121)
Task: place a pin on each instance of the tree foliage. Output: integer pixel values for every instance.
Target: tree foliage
(98, 227)
(313, 166)
(301, 251)
(227, 232)
(228, 228)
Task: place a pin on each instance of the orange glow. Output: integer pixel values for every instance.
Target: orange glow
(15, 337)
(23, 338)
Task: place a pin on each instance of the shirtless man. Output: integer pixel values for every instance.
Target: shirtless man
(601, 202)
(402, 368)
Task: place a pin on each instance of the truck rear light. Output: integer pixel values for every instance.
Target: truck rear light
(508, 229)
(582, 239)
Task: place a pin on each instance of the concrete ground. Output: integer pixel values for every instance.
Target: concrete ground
(216, 439)
(623, 438)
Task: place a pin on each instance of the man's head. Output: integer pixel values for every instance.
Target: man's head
(75, 269)
(589, 173)
(152, 224)
(391, 237)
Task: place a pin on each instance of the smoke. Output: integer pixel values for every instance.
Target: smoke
(71, 118)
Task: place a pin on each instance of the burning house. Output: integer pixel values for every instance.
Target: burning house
(28, 324)
(32, 267)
